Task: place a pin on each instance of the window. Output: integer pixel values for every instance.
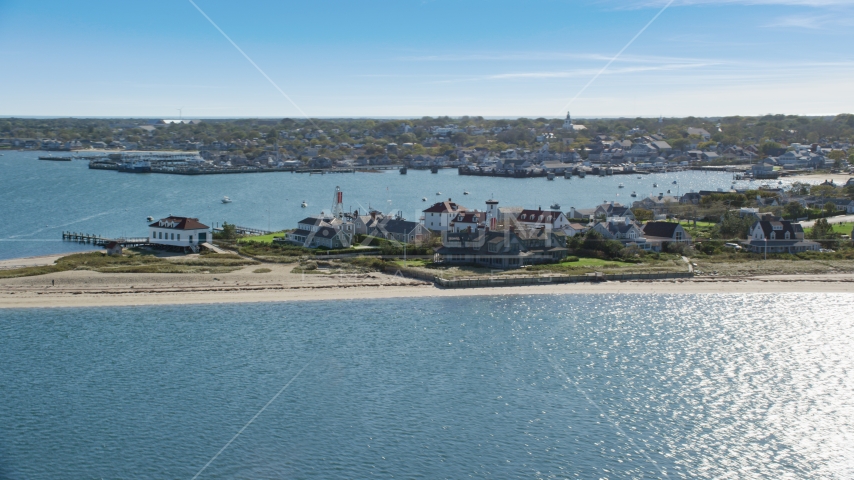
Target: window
(173, 236)
(161, 235)
(179, 237)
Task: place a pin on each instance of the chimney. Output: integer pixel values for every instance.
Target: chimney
(373, 215)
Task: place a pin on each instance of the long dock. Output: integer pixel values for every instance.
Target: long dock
(100, 241)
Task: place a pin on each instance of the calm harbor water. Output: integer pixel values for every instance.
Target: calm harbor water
(40, 199)
(608, 386)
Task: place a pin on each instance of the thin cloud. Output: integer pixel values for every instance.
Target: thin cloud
(810, 22)
(539, 56)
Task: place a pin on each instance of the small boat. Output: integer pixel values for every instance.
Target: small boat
(434, 169)
(567, 175)
(555, 206)
(438, 193)
(621, 186)
(674, 182)
(654, 185)
(550, 176)
(633, 195)
(423, 199)
(668, 191)
(403, 170)
(149, 218)
(639, 178)
(303, 204)
(465, 193)
(226, 200)
(582, 173)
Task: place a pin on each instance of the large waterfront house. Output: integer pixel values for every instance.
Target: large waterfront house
(438, 217)
(320, 231)
(778, 237)
(553, 220)
(603, 211)
(622, 229)
(467, 221)
(178, 232)
(507, 248)
(401, 230)
(659, 234)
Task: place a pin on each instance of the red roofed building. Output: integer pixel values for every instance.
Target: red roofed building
(178, 232)
(438, 217)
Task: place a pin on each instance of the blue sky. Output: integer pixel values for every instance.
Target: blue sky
(429, 57)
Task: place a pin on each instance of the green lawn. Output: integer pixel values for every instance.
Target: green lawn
(841, 228)
(268, 239)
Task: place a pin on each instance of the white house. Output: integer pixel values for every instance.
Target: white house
(439, 216)
(181, 232)
(553, 220)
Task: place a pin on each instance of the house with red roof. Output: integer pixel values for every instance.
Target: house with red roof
(439, 216)
(178, 232)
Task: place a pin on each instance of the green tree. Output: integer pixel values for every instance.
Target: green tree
(829, 208)
(229, 232)
(794, 210)
(734, 226)
(823, 233)
(642, 215)
(460, 138)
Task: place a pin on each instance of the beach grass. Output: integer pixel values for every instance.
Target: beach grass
(135, 263)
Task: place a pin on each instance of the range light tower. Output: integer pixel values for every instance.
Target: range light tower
(338, 204)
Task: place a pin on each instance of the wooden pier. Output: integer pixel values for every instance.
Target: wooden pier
(101, 241)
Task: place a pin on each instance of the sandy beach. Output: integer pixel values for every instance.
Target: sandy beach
(91, 289)
(837, 178)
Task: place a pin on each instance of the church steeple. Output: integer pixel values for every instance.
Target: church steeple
(567, 124)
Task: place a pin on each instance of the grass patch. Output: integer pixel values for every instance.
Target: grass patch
(29, 271)
(265, 239)
(135, 263)
(261, 270)
(840, 228)
(414, 263)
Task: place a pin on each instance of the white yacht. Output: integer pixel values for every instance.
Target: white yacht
(303, 204)
(226, 200)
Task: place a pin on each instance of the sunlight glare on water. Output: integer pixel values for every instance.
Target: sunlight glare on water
(586, 386)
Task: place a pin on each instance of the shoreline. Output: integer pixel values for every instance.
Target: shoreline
(380, 286)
